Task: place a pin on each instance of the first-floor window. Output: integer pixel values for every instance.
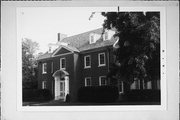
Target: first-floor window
(135, 84)
(88, 81)
(44, 84)
(149, 85)
(158, 84)
(121, 87)
(102, 80)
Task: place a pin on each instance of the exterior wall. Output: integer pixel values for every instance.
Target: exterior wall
(45, 77)
(95, 71)
(56, 66)
(77, 72)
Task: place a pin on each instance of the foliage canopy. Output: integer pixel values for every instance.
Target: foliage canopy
(138, 51)
(29, 63)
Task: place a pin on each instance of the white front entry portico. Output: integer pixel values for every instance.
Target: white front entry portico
(61, 87)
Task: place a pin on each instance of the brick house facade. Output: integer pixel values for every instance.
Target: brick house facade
(85, 57)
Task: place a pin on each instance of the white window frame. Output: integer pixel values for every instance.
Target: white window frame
(122, 86)
(85, 66)
(61, 63)
(43, 68)
(90, 40)
(99, 59)
(105, 35)
(100, 78)
(87, 82)
(44, 84)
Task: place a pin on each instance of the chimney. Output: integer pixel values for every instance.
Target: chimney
(61, 36)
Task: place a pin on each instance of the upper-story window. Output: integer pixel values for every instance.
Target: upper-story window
(88, 81)
(106, 36)
(44, 68)
(62, 63)
(92, 39)
(102, 80)
(101, 59)
(87, 61)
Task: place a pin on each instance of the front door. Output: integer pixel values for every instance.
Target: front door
(62, 89)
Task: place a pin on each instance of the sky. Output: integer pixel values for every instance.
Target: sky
(41, 24)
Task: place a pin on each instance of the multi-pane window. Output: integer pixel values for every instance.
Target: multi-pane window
(62, 63)
(102, 80)
(87, 61)
(44, 68)
(101, 59)
(135, 84)
(44, 84)
(88, 81)
(121, 87)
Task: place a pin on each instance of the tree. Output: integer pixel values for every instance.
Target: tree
(29, 70)
(137, 50)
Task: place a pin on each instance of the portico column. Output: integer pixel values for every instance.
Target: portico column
(56, 88)
(66, 85)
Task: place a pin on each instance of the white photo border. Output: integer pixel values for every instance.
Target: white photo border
(163, 80)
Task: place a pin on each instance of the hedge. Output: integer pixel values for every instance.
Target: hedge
(36, 95)
(98, 94)
(143, 95)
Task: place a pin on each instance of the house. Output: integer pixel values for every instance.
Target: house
(84, 59)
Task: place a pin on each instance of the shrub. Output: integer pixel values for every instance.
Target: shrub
(143, 95)
(97, 94)
(37, 95)
(44, 94)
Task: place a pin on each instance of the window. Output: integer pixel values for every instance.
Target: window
(62, 63)
(51, 67)
(158, 84)
(87, 61)
(44, 85)
(106, 36)
(88, 81)
(101, 58)
(149, 85)
(102, 80)
(44, 68)
(135, 84)
(121, 87)
(92, 40)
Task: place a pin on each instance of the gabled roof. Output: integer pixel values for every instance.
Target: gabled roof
(80, 43)
(45, 55)
(82, 39)
(48, 55)
(68, 47)
(99, 43)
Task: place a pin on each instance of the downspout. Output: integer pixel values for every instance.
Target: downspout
(108, 62)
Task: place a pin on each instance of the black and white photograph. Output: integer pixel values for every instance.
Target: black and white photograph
(88, 60)
(84, 56)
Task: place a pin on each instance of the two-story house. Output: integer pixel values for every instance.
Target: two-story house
(85, 60)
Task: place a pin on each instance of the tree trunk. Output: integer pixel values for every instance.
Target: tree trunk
(141, 84)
